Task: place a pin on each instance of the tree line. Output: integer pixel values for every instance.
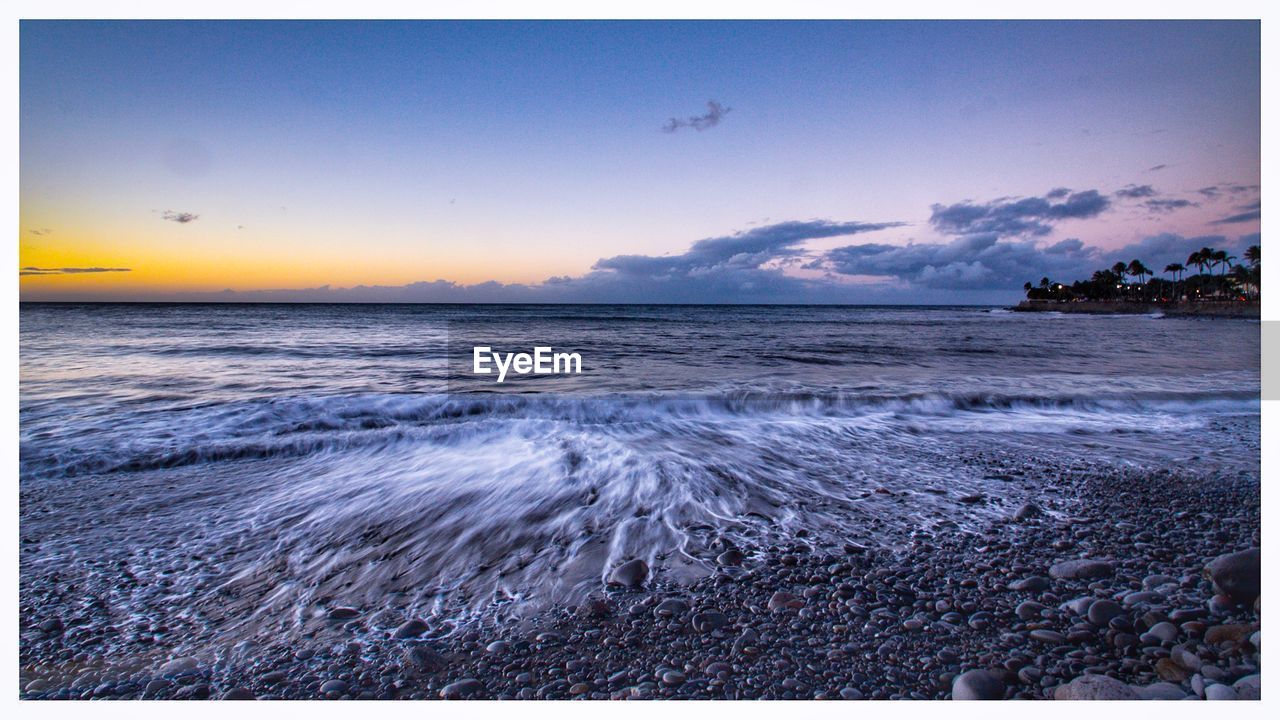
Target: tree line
(1219, 277)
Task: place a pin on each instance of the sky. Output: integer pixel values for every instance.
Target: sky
(751, 161)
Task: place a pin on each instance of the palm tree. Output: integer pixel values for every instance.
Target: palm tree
(1220, 257)
(1174, 269)
(1243, 276)
(1201, 258)
(1253, 255)
(1140, 271)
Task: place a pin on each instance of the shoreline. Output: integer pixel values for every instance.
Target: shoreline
(803, 619)
(1209, 309)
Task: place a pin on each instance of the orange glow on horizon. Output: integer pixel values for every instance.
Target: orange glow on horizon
(247, 262)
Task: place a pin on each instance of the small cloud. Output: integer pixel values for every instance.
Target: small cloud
(31, 270)
(1136, 191)
(1214, 191)
(179, 217)
(1165, 205)
(715, 113)
(41, 231)
(1157, 168)
(1245, 216)
(1057, 193)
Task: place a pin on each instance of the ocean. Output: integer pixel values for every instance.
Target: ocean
(254, 462)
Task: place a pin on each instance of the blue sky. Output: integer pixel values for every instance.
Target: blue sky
(446, 160)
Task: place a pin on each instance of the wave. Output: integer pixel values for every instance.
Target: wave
(294, 427)
(479, 505)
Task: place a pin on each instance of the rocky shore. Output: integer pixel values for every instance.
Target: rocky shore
(1112, 584)
(1207, 309)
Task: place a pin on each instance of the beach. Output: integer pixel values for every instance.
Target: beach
(728, 502)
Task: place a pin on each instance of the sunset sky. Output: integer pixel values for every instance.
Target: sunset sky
(646, 161)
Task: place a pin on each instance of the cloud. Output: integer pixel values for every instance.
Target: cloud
(985, 262)
(41, 231)
(1214, 191)
(1157, 168)
(1136, 191)
(179, 217)
(1245, 216)
(967, 262)
(1166, 205)
(715, 113)
(1032, 216)
(1151, 199)
(29, 270)
(742, 251)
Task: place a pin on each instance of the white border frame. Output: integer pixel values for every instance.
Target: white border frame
(573, 9)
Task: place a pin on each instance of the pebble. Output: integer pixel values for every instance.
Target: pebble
(1249, 687)
(410, 629)
(977, 685)
(1029, 610)
(1028, 511)
(673, 677)
(1185, 658)
(1102, 611)
(1146, 597)
(731, 557)
(1095, 687)
(462, 689)
(1080, 605)
(785, 601)
(334, 687)
(178, 666)
(1218, 691)
(1164, 632)
(709, 620)
(1237, 575)
(423, 658)
(671, 607)
(1081, 569)
(1032, 584)
(1161, 691)
(238, 694)
(630, 574)
(1050, 637)
(1229, 633)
